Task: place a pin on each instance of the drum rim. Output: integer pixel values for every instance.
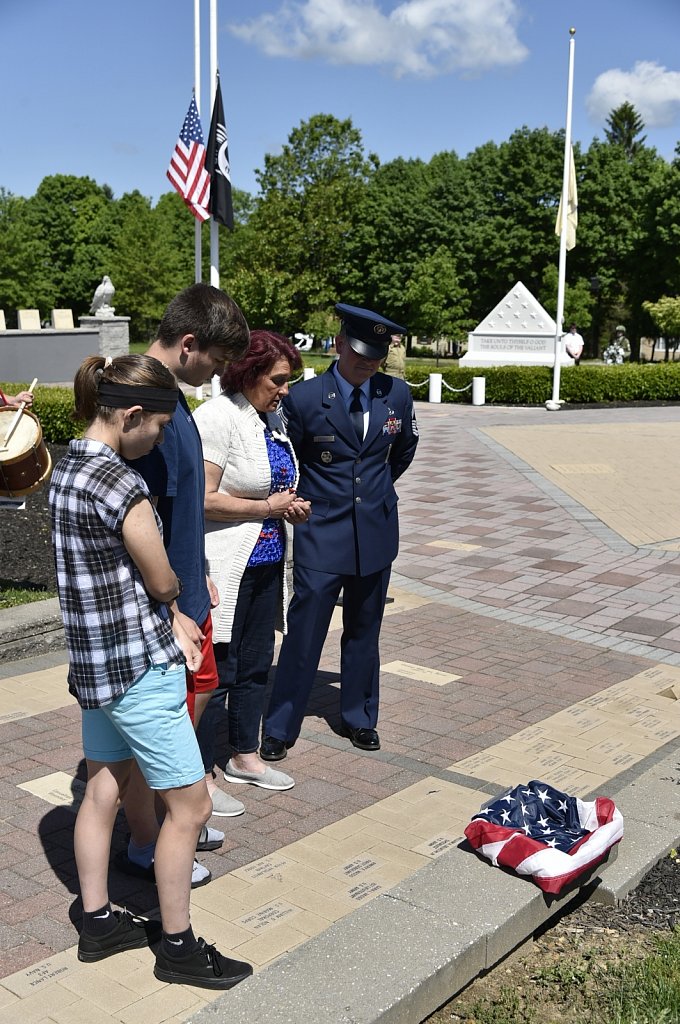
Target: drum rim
(38, 449)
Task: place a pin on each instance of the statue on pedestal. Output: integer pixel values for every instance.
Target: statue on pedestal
(101, 300)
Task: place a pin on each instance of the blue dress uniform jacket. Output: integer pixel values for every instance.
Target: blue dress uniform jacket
(354, 527)
(348, 544)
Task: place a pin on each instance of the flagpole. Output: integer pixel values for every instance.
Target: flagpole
(198, 262)
(554, 403)
(214, 229)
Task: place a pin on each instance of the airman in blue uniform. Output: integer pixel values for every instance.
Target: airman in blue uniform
(354, 432)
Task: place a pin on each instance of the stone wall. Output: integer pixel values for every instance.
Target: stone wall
(54, 356)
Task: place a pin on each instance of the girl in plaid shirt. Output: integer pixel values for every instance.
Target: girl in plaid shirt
(127, 655)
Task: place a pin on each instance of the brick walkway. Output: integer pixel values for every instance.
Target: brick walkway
(534, 633)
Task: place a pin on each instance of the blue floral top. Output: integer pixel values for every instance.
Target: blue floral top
(270, 544)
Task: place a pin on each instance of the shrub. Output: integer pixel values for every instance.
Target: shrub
(54, 408)
(532, 385)
(505, 385)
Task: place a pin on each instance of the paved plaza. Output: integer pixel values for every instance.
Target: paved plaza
(533, 633)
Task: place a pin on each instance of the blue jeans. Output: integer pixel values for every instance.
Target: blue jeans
(243, 666)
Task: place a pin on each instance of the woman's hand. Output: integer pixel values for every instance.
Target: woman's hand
(280, 503)
(299, 512)
(214, 593)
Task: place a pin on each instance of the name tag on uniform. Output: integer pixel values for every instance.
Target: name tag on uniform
(325, 438)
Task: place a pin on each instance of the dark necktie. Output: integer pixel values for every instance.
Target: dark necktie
(356, 413)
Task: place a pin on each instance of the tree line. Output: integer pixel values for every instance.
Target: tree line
(434, 244)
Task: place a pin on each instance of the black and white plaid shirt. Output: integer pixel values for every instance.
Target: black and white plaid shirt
(114, 629)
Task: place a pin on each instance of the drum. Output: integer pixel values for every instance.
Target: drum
(25, 463)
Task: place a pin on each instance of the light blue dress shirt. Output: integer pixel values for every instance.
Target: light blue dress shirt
(346, 389)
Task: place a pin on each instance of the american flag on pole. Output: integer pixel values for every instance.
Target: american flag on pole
(187, 166)
(539, 831)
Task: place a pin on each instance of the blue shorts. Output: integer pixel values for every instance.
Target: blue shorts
(150, 723)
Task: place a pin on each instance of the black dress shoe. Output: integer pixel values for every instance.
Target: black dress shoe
(364, 739)
(272, 749)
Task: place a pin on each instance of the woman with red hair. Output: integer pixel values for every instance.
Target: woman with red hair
(251, 474)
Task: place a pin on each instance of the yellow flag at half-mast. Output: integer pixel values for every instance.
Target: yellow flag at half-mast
(572, 207)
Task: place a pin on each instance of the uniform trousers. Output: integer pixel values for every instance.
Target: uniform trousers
(309, 617)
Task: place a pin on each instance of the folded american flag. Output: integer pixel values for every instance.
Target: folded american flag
(537, 830)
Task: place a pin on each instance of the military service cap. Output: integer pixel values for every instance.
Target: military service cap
(368, 333)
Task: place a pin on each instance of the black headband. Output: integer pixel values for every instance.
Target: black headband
(123, 396)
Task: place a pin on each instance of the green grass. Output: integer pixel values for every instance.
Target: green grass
(10, 597)
(584, 986)
(649, 992)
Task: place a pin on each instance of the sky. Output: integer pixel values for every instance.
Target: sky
(101, 89)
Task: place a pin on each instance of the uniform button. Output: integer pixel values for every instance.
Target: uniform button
(358, 501)
(357, 461)
(357, 479)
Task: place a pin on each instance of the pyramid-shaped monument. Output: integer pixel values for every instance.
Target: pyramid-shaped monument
(517, 332)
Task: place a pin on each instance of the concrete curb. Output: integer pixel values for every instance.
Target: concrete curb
(397, 959)
(651, 817)
(19, 624)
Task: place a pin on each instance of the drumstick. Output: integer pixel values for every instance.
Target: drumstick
(15, 419)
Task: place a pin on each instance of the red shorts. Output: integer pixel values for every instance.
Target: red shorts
(206, 678)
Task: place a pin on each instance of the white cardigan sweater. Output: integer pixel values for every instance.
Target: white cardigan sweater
(233, 439)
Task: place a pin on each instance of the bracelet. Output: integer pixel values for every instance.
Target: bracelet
(269, 508)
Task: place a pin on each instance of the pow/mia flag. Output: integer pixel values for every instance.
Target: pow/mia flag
(217, 165)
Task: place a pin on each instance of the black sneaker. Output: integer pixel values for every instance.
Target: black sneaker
(204, 968)
(130, 933)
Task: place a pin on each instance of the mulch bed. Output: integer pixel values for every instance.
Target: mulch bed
(655, 904)
(25, 541)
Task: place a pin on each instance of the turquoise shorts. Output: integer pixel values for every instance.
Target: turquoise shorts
(150, 723)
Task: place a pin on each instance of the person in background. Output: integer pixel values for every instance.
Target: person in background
(251, 477)
(354, 432)
(127, 664)
(394, 362)
(573, 343)
(621, 340)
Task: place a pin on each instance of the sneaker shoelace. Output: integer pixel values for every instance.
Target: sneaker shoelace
(212, 956)
(129, 920)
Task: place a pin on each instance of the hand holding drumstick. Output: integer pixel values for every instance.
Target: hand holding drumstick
(22, 400)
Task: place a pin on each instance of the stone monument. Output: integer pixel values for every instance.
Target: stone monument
(53, 354)
(114, 331)
(101, 300)
(518, 332)
(62, 319)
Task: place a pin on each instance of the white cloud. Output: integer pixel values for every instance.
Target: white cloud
(417, 37)
(653, 90)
